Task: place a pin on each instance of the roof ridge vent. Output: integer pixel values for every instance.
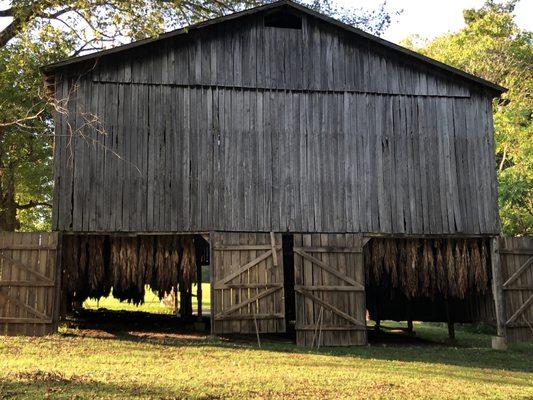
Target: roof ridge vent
(283, 18)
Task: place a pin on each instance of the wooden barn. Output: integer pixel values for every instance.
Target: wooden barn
(323, 173)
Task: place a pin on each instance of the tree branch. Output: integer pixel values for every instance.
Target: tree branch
(85, 47)
(57, 13)
(9, 32)
(32, 204)
(6, 13)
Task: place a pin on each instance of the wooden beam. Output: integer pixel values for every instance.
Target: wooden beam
(331, 328)
(497, 288)
(338, 288)
(21, 265)
(245, 267)
(27, 283)
(34, 247)
(199, 290)
(518, 252)
(328, 250)
(240, 305)
(274, 248)
(248, 317)
(26, 307)
(245, 247)
(265, 285)
(520, 310)
(212, 281)
(330, 307)
(9, 320)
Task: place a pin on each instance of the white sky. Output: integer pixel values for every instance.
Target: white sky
(428, 18)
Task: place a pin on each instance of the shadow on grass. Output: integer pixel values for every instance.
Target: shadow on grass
(395, 346)
(75, 388)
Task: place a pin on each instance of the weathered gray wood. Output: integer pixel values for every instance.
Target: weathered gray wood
(329, 290)
(497, 285)
(232, 53)
(254, 128)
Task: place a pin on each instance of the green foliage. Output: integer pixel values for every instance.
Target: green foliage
(493, 47)
(26, 137)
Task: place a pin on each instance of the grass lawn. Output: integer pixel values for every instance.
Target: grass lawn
(90, 364)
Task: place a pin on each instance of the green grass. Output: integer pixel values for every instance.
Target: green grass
(151, 302)
(123, 365)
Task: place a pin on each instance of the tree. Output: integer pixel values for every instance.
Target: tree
(43, 31)
(493, 47)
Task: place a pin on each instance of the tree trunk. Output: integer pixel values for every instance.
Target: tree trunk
(8, 204)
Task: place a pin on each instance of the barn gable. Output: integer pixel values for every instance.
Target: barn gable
(312, 37)
(316, 56)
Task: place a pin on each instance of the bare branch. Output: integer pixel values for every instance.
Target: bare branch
(86, 47)
(57, 13)
(20, 121)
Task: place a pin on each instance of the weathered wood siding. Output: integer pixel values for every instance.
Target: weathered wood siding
(29, 283)
(268, 129)
(516, 260)
(249, 55)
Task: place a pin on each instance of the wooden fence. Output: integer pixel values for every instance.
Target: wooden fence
(29, 283)
(516, 260)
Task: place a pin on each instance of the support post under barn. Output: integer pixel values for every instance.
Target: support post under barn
(499, 342)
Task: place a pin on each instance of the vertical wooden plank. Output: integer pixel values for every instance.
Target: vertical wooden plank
(309, 280)
(36, 297)
(57, 240)
(213, 277)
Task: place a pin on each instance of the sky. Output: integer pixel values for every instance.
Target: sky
(428, 18)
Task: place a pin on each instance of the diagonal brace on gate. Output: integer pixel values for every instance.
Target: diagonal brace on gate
(518, 272)
(253, 299)
(26, 307)
(330, 269)
(522, 308)
(24, 267)
(330, 307)
(244, 268)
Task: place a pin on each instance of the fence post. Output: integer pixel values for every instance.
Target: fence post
(499, 342)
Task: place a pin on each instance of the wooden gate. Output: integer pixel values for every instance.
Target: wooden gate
(516, 260)
(330, 292)
(247, 278)
(29, 283)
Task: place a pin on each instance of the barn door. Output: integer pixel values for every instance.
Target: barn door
(516, 260)
(28, 283)
(247, 283)
(330, 292)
